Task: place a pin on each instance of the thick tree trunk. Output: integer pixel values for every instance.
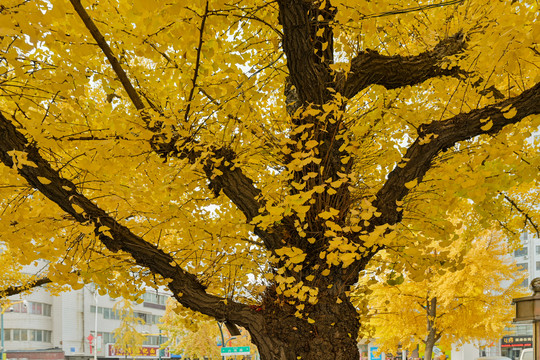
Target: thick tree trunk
(283, 336)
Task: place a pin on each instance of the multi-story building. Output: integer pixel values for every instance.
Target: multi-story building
(528, 258)
(76, 324)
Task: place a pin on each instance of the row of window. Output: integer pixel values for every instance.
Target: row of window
(27, 335)
(148, 319)
(152, 297)
(108, 338)
(32, 307)
(525, 266)
(154, 340)
(525, 251)
(109, 313)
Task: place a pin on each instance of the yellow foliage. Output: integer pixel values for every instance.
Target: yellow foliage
(195, 137)
(479, 291)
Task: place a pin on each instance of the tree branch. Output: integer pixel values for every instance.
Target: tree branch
(14, 290)
(16, 152)
(234, 183)
(102, 43)
(371, 68)
(197, 62)
(438, 136)
(523, 212)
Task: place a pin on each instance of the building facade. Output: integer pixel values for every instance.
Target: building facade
(76, 325)
(528, 258)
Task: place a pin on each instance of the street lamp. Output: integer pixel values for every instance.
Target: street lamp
(8, 306)
(528, 310)
(95, 322)
(233, 331)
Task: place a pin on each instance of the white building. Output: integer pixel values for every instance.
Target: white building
(42, 326)
(528, 257)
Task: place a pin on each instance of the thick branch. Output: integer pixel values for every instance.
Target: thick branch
(371, 68)
(14, 290)
(40, 175)
(441, 135)
(306, 27)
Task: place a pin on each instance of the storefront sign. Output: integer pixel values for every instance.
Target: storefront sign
(143, 352)
(517, 341)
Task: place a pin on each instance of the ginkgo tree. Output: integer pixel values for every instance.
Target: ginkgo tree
(127, 338)
(254, 156)
(450, 308)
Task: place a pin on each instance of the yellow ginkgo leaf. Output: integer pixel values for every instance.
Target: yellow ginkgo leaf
(43, 180)
(77, 208)
(411, 184)
(510, 113)
(488, 125)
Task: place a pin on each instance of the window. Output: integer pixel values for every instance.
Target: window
(538, 249)
(37, 335)
(523, 266)
(162, 299)
(155, 340)
(28, 334)
(35, 308)
(538, 265)
(19, 307)
(151, 340)
(525, 283)
(108, 338)
(521, 252)
(109, 313)
(142, 316)
(152, 297)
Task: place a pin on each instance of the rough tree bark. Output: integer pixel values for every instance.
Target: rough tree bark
(278, 333)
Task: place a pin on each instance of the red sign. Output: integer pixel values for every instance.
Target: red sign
(90, 339)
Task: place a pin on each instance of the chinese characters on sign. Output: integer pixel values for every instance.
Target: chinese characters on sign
(142, 352)
(517, 341)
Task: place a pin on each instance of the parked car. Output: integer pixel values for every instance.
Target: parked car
(494, 358)
(527, 354)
